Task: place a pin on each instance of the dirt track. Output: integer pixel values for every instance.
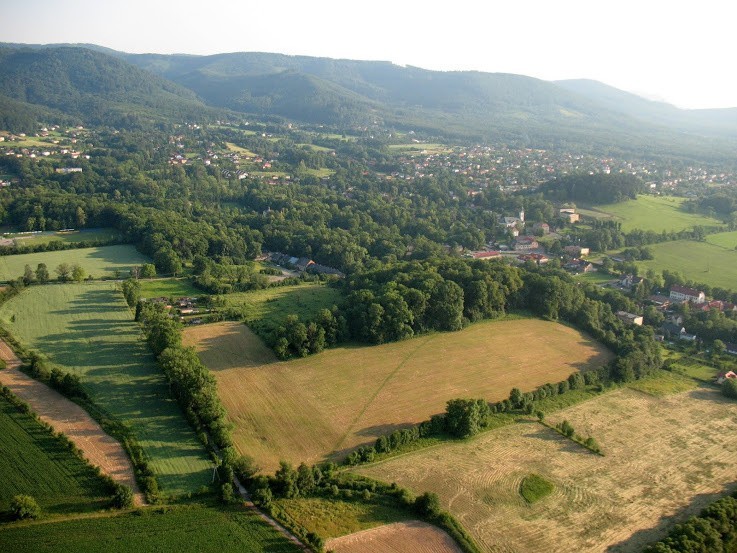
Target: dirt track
(68, 417)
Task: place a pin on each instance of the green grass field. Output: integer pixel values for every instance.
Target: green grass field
(698, 261)
(331, 518)
(169, 287)
(66, 237)
(726, 240)
(98, 262)
(664, 383)
(169, 530)
(35, 463)
(656, 213)
(267, 309)
(88, 329)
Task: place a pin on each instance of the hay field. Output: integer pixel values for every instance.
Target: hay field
(401, 537)
(323, 406)
(88, 329)
(666, 458)
(656, 213)
(66, 416)
(102, 262)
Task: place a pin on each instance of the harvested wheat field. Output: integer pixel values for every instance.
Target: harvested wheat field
(68, 417)
(322, 406)
(666, 458)
(412, 536)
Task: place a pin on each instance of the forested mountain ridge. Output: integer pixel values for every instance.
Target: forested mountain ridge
(92, 86)
(99, 85)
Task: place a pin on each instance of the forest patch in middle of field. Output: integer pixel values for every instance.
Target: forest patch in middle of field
(323, 406)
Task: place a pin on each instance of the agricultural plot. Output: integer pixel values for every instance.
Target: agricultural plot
(323, 406)
(169, 288)
(164, 530)
(66, 416)
(33, 462)
(87, 329)
(697, 261)
(267, 309)
(67, 237)
(104, 262)
(726, 240)
(402, 537)
(666, 458)
(331, 518)
(656, 213)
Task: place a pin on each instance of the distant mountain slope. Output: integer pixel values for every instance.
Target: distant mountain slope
(721, 121)
(91, 85)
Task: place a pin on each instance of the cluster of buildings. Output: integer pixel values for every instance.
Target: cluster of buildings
(302, 264)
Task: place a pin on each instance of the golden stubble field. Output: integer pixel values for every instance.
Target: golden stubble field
(412, 536)
(323, 406)
(666, 458)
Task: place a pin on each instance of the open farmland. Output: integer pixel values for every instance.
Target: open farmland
(726, 240)
(656, 213)
(267, 309)
(164, 530)
(325, 405)
(66, 416)
(67, 237)
(169, 288)
(697, 261)
(103, 262)
(88, 330)
(401, 537)
(665, 457)
(34, 462)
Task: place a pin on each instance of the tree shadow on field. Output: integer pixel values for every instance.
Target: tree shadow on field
(640, 539)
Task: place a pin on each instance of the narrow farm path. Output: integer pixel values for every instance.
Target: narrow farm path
(66, 416)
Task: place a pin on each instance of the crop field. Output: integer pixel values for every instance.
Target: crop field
(164, 530)
(268, 308)
(98, 262)
(665, 459)
(33, 462)
(66, 416)
(67, 237)
(656, 213)
(323, 406)
(697, 261)
(401, 537)
(88, 329)
(168, 288)
(331, 518)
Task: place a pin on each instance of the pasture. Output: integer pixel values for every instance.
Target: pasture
(164, 530)
(34, 462)
(698, 261)
(266, 309)
(103, 262)
(169, 288)
(88, 329)
(401, 537)
(323, 406)
(726, 240)
(666, 458)
(656, 213)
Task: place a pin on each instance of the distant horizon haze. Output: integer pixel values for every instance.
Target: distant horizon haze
(676, 52)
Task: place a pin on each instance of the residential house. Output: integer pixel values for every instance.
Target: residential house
(683, 293)
(544, 227)
(576, 251)
(525, 243)
(569, 214)
(486, 255)
(660, 301)
(630, 281)
(629, 318)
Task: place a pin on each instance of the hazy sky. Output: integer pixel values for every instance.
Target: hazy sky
(678, 51)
